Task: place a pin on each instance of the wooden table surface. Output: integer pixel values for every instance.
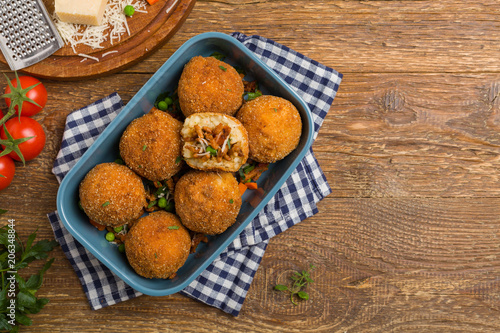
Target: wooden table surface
(409, 240)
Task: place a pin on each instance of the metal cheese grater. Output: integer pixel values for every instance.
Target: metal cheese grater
(27, 34)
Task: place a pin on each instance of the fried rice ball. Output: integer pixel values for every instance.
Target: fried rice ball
(214, 142)
(207, 202)
(157, 245)
(151, 145)
(113, 195)
(209, 85)
(274, 127)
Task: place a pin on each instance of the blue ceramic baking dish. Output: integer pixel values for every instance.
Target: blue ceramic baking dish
(105, 149)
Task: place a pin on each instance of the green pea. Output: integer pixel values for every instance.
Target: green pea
(129, 10)
(121, 248)
(110, 236)
(118, 229)
(170, 206)
(163, 106)
(169, 101)
(162, 202)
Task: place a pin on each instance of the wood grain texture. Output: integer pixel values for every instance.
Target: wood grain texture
(409, 239)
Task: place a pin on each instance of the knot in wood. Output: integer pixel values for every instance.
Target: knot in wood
(395, 110)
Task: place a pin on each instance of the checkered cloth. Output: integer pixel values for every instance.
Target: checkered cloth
(224, 284)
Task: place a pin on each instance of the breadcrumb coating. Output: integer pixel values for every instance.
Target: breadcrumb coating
(274, 127)
(112, 195)
(209, 85)
(151, 145)
(207, 202)
(157, 245)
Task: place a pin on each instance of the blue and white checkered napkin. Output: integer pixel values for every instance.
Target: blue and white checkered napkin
(224, 284)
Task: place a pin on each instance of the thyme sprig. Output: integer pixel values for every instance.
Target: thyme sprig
(300, 281)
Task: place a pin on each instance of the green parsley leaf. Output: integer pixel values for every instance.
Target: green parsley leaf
(248, 168)
(218, 56)
(212, 151)
(152, 203)
(144, 147)
(231, 201)
(303, 295)
(105, 204)
(280, 287)
(252, 95)
(178, 159)
(173, 227)
(223, 68)
(301, 280)
(26, 299)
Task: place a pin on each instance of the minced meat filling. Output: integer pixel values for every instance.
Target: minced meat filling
(213, 143)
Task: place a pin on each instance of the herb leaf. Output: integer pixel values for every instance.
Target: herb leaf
(26, 301)
(303, 295)
(252, 95)
(212, 151)
(218, 56)
(280, 287)
(301, 280)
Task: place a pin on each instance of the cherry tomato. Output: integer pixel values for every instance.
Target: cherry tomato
(23, 127)
(38, 94)
(7, 170)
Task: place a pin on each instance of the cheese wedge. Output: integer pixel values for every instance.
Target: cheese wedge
(88, 12)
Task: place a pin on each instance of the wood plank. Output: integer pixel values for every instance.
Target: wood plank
(390, 135)
(408, 240)
(354, 36)
(392, 264)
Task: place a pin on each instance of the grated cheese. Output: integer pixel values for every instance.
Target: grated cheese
(224, 145)
(108, 53)
(89, 57)
(114, 25)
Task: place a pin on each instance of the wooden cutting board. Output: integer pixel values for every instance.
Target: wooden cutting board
(148, 31)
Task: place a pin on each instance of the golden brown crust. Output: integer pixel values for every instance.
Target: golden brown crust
(153, 249)
(112, 195)
(207, 202)
(274, 127)
(151, 145)
(209, 85)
